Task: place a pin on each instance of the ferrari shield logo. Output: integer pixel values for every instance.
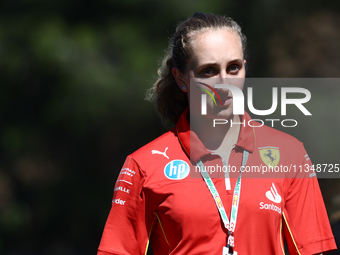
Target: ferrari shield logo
(270, 155)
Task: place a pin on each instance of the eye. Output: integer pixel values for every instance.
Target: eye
(234, 68)
(208, 72)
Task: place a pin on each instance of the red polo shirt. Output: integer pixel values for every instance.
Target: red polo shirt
(156, 198)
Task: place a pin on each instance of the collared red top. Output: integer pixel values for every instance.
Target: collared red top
(159, 198)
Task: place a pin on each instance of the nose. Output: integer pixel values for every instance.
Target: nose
(223, 74)
(223, 78)
(221, 89)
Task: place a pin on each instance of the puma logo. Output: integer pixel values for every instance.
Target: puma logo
(161, 153)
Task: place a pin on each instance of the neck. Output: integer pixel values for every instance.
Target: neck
(219, 138)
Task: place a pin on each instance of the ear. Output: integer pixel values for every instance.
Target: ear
(244, 62)
(181, 79)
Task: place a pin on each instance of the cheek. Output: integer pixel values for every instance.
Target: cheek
(238, 82)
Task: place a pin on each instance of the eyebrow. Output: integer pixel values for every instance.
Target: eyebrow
(237, 61)
(214, 63)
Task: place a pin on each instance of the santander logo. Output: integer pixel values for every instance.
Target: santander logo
(273, 195)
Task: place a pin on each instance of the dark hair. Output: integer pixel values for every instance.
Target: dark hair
(170, 100)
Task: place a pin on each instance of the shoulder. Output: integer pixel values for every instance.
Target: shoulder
(260, 135)
(152, 160)
(268, 135)
(157, 153)
(279, 148)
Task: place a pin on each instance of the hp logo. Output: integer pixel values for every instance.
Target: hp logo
(176, 170)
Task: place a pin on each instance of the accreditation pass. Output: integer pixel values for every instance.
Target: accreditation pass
(226, 251)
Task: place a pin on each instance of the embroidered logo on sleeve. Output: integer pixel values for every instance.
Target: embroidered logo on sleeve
(118, 201)
(270, 155)
(307, 157)
(126, 176)
(123, 189)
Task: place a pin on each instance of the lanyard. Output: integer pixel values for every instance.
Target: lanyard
(230, 226)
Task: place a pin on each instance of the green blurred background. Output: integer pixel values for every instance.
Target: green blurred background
(72, 84)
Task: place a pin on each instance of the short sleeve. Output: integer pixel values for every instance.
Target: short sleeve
(306, 224)
(128, 225)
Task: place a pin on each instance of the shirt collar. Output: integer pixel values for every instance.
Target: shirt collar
(197, 150)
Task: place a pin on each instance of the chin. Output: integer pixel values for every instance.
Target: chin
(224, 113)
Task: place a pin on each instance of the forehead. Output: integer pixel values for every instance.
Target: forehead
(215, 44)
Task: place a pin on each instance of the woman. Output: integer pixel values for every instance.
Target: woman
(157, 200)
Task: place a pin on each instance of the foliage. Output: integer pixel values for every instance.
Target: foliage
(73, 78)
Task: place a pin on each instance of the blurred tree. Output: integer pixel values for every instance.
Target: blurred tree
(73, 78)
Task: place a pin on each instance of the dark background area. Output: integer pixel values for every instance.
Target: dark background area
(72, 85)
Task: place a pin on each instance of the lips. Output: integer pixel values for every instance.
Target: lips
(226, 100)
